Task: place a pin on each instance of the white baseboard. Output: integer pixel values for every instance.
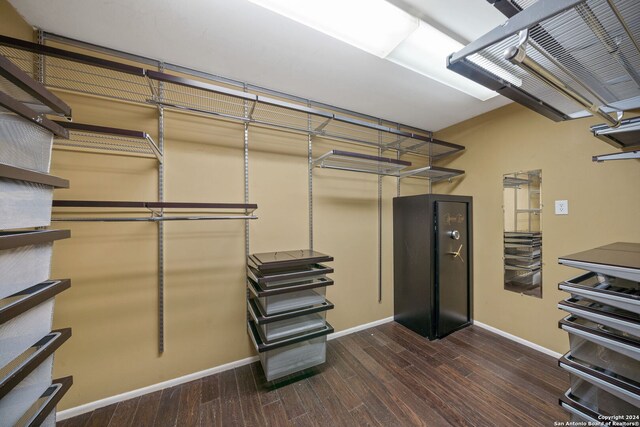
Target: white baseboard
(518, 339)
(359, 328)
(92, 406)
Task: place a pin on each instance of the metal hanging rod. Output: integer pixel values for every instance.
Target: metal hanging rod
(518, 55)
(250, 207)
(586, 52)
(155, 207)
(155, 218)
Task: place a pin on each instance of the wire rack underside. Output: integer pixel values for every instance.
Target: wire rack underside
(66, 74)
(588, 46)
(106, 143)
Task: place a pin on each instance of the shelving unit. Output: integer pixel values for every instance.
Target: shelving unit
(531, 59)
(158, 84)
(27, 343)
(523, 233)
(210, 95)
(603, 324)
(286, 310)
(626, 137)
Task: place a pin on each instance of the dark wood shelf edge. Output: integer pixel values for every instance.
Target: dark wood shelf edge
(21, 174)
(261, 292)
(54, 395)
(22, 80)
(265, 319)
(50, 289)
(55, 339)
(262, 347)
(15, 239)
(27, 113)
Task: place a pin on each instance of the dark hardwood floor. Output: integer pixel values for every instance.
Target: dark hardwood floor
(383, 376)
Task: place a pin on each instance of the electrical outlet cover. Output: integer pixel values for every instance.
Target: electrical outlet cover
(562, 207)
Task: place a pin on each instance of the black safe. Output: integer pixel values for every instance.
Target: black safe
(433, 263)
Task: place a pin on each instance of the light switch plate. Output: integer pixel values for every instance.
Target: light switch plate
(562, 207)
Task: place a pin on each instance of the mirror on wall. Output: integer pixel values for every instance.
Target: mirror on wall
(522, 205)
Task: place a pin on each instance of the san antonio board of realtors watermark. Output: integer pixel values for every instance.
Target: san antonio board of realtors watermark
(604, 420)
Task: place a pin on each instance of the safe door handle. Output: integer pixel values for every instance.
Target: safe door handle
(457, 253)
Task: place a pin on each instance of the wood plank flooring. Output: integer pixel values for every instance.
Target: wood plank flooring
(383, 376)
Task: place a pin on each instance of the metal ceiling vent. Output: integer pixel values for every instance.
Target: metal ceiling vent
(562, 58)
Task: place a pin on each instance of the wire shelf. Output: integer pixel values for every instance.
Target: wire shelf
(104, 140)
(590, 47)
(627, 135)
(23, 88)
(432, 173)
(81, 73)
(67, 74)
(356, 162)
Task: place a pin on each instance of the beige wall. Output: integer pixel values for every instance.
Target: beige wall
(12, 23)
(112, 303)
(604, 202)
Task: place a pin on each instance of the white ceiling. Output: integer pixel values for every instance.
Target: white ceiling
(242, 41)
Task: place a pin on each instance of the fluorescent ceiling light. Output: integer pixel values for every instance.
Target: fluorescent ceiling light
(384, 30)
(374, 26)
(425, 52)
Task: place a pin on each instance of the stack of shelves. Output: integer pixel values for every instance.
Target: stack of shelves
(522, 260)
(604, 334)
(28, 395)
(626, 137)
(287, 309)
(523, 235)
